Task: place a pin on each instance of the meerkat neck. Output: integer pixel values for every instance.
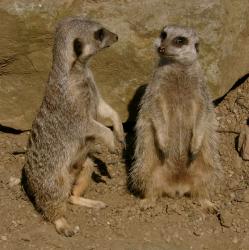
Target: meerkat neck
(63, 54)
(166, 65)
(79, 66)
(62, 58)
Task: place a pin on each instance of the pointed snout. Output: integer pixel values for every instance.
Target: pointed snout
(114, 37)
(110, 38)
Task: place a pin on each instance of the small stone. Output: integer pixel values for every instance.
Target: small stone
(14, 181)
(4, 237)
(232, 195)
(246, 195)
(198, 233)
(226, 219)
(235, 240)
(26, 238)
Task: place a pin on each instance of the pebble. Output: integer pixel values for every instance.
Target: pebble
(226, 219)
(246, 195)
(14, 181)
(235, 240)
(197, 232)
(4, 237)
(25, 238)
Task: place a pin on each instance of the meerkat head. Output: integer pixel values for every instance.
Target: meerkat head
(79, 38)
(178, 44)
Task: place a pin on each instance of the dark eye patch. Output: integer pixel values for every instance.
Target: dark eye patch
(77, 45)
(163, 35)
(179, 41)
(99, 34)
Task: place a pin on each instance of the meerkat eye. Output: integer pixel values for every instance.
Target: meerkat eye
(197, 47)
(99, 35)
(77, 45)
(180, 41)
(163, 35)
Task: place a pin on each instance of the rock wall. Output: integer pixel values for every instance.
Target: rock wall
(27, 36)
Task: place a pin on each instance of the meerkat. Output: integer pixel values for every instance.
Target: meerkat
(58, 164)
(175, 151)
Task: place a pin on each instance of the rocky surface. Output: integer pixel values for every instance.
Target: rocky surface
(26, 39)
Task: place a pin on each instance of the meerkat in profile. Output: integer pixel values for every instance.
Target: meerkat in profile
(175, 152)
(58, 166)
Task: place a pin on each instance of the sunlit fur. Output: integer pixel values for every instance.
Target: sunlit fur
(67, 123)
(176, 152)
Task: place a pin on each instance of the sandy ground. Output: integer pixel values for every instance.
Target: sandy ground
(174, 224)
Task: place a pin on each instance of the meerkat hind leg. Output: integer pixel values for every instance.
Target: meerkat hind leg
(201, 194)
(81, 185)
(62, 227)
(155, 188)
(200, 186)
(86, 202)
(84, 178)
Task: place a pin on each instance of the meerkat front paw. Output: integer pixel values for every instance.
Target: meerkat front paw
(110, 142)
(119, 134)
(116, 144)
(112, 146)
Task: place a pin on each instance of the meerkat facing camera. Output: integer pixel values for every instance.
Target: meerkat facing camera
(58, 166)
(175, 152)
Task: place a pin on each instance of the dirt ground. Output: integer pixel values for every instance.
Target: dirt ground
(171, 225)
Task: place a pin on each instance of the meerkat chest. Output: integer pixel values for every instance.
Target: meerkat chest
(179, 93)
(93, 93)
(84, 91)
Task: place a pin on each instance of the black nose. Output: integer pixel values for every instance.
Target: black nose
(116, 37)
(161, 50)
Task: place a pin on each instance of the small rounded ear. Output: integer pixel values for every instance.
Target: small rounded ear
(197, 47)
(77, 46)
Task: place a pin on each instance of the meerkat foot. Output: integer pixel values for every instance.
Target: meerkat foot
(87, 202)
(62, 227)
(147, 203)
(209, 206)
